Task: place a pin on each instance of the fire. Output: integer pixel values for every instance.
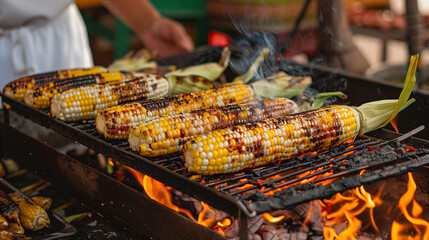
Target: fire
(162, 194)
(272, 219)
(345, 208)
(158, 192)
(417, 225)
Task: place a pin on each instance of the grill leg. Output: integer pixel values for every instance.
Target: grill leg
(242, 223)
(6, 118)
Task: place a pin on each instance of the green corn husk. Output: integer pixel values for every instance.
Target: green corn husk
(378, 114)
(134, 61)
(198, 77)
(317, 101)
(245, 78)
(281, 85)
(76, 217)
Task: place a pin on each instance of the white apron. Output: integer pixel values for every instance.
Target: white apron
(50, 35)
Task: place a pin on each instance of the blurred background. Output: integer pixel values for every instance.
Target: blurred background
(382, 32)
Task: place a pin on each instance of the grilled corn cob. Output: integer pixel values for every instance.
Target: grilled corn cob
(116, 122)
(8, 207)
(174, 130)
(255, 144)
(40, 97)
(17, 88)
(32, 216)
(85, 102)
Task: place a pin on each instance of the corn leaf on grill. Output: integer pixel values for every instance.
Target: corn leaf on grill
(17, 88)
(116, 122)
(255, 144)
(167, 134)
(40, 97)
(85, 102)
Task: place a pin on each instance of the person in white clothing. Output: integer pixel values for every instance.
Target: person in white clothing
(46, 35)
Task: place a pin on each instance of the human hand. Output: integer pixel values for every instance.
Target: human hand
(167, 37)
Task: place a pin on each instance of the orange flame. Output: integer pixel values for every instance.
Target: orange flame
(225, 223)
(344, 208)
(203, 220)
(420, 226)
(161, 193)
(271, 218)
(394, 123)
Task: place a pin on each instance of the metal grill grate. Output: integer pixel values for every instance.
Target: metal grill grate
(279, 185)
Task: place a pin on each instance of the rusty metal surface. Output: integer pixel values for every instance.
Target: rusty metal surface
(101, 192)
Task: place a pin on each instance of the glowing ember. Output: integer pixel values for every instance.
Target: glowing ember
(272, 219)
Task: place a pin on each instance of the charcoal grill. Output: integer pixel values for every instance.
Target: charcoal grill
(380, 160)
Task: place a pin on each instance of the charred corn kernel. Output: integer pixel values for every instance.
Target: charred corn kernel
(40, 97)
(17, 88)
(189, 124)
(116, 122)
(85, 102)
(278, 138)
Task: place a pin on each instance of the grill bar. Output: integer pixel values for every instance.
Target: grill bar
(222, 192)
(293, 197)
(253, 190)
(145, 166)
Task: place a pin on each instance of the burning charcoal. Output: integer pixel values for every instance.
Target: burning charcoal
(256, 237)
(302, 236)
(232, 231)
(254, 224)
(283, 234)
(268, 232)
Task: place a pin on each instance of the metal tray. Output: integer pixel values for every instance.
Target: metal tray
(58, 228)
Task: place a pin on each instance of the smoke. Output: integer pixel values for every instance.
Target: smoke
(251, 38)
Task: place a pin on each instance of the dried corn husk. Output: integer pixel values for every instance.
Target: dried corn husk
(281, 85)
(135, 61)
(245, 78)
(316, 101)
(197, 77)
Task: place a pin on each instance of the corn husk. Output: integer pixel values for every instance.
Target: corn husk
(378, 114)
(135, 61)
(197, 77)
(317, 101)
(281, 85)
(245, 78)
(76, 217)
